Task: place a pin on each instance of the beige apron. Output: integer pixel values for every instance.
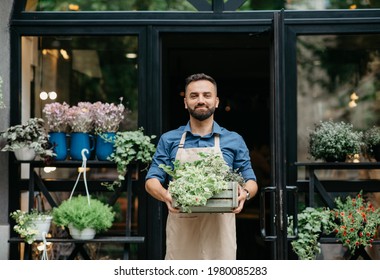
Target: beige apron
(200, 236)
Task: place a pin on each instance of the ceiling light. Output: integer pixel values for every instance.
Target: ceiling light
(44, 95)
(52, 95)
(131, 55)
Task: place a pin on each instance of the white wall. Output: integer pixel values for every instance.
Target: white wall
(5, 11)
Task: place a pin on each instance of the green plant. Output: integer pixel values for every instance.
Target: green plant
(25, 223)
(193, 183)
(83, 212)
(371, 139)
(130, 147)
(312, 222)
(333, 141)
(31, 135)
(355, 222)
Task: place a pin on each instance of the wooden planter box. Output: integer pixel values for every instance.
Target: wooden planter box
(223, 202)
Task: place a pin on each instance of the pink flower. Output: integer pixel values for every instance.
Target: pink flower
(79, 118)
(107, 116)
(55, 115)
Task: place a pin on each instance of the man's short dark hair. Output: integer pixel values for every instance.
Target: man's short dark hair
(199, 77)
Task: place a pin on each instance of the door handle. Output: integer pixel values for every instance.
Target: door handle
(263, 225)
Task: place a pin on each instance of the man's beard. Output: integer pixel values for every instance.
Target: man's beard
(201, 115)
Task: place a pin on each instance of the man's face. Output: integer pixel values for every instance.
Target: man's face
(200, 99)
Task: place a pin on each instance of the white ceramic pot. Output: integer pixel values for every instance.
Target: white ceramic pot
(42, 225)
(25, 153)
(85, 234)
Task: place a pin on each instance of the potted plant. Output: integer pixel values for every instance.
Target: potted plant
(81, 125)
(107, 118)
(31, 225)
(29, 139)
(355, 222)
(334, 141)
(55, 115)
(194, 183)
(312, 222)
(84, 216)
(371, 140)
(130, 147)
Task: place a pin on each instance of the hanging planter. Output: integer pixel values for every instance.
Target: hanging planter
(80, 213)
(31, 225)
(84, 234)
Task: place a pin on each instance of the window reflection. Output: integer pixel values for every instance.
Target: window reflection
(72, 69)
(337, 79)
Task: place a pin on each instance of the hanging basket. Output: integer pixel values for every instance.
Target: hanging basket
(85, 234)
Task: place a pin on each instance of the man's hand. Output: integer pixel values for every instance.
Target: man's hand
(242, 195)
(169, 200)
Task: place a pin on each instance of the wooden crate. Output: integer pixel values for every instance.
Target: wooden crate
(223, 202)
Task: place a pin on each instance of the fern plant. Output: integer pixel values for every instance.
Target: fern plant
(81, 214)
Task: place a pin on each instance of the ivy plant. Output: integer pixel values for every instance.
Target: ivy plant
(130, 147)
(311, 224)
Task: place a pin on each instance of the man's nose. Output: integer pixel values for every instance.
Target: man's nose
(201, 99)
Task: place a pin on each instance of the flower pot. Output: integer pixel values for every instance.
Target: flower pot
(81, 141)
(85, 234)
(42, 224)
(25, 153)
(58, 141)
(104, 145)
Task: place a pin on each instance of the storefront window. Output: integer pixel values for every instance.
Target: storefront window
(337, 79)
(74, 69)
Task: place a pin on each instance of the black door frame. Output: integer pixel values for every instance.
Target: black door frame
(286, 25)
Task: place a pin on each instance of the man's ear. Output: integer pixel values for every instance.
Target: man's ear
(184, 101)
(217, 102)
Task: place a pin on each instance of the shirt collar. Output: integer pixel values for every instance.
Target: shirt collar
(215, 128)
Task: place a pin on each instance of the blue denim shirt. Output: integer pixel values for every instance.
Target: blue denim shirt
(234, 150)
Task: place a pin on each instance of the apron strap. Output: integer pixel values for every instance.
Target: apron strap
(182, 142)
(183, 138)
